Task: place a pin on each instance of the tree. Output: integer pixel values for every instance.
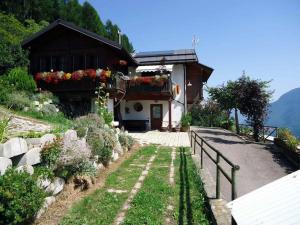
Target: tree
(12, 32)
(226, 97)
(253, 100)
(91, 20)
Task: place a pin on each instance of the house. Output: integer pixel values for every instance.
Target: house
(152, 91)
(162, 88)
(62, 46)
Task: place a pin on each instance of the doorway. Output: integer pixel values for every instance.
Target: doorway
(156, 116)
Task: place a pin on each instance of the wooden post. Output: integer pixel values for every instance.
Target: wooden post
(170, 115)
(218, 177)
(201, 153)
(233, 184)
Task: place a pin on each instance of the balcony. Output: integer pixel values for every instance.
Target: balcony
(86, 84)
(150, 87)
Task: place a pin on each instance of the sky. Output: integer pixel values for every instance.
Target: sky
(261, 37)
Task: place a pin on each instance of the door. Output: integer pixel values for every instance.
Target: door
(156, 116)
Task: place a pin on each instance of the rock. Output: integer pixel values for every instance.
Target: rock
(33, 142)
(100, 166)
(47, 138)
(48, 201)
(13, 147)
(32, 157)
(115, 156)
(70, 135)
(56, 186)
(26, 168)
(5, 163)
(118, 148)
(43, 183)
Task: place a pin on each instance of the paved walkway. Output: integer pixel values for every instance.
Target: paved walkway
(172, 139)
(259, 164)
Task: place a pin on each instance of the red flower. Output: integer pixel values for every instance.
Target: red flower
(38, 76)
(91, 73)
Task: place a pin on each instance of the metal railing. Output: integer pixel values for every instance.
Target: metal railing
(196, 139)
(266, 132)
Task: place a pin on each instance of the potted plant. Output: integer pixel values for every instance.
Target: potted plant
(186, 120)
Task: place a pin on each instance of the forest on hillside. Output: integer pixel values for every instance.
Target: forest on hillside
(47, 11)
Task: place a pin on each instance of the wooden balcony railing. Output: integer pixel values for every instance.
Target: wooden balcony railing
(165, 88)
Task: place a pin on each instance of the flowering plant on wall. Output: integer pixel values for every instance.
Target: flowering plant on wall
(58, 76)
(157, 80)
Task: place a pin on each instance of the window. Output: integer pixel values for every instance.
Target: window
(78, 62)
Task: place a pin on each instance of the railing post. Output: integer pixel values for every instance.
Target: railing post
(191, 137)
(233, 183)
(218, 177)
(201, 153)
(264, 134)
(195, 144)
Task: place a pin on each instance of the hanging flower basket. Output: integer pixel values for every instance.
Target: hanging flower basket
(156, 80)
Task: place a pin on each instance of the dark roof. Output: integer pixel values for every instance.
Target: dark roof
(168, 57)
(83, 31)
(173, 57)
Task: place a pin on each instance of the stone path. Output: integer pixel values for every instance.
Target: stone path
(259, 164)
(21, 124)
(172, 139)
(121, 215)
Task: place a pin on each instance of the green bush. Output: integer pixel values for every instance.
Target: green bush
(209, 114)
(21, 80)
(102, 142)
(186, 120)
(78, 167)
(43, 172)
(125, 140)
(50, 153)
(107, 116)
(83, 123)
(20, 197)
(289, 139)
(5, 89)
(18, 101)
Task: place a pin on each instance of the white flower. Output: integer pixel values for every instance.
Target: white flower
(57, 110)
(36, 103)
(98, 72)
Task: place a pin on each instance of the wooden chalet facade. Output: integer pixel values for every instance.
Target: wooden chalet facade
(62, 46)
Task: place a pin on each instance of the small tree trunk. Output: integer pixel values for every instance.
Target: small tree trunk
(236, 116)
(228, 119)
(256, 132)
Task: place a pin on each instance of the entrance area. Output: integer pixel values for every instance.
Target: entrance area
(156, 116)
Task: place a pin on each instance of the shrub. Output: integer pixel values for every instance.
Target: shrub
(83, 123)
(49, 109)
(18, 101)
(21, 79)
(5, 89)
(106, 115)
(43, 172)
(126, 140)
(102, 142)
(186, 120)
(50, 153)
(45, 96)
(77, 167)
(20, 197)
(290, 140)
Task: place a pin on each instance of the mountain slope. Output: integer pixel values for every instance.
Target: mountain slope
(285, 112)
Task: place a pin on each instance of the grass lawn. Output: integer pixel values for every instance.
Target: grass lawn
(150, 204)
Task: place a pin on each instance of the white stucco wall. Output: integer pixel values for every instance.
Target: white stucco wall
(110, 105)
(177, 77)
